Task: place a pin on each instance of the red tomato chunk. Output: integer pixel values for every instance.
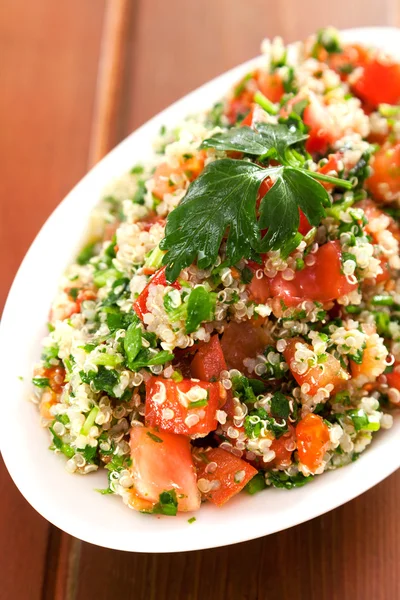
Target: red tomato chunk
(140, 305)
(224, 473)
(321, 375)
(161, 462)
(322, 282)
(312, 441)
(209, 361)
(187, 407)
(379, 82)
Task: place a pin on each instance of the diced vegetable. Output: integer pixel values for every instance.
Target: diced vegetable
(187, 407)
(162, 462)
(379, 82)
(240, 341)
(221, 475)
(140, 305)
(384, 183)
(316, 376)
(312, 441)
(208, 361)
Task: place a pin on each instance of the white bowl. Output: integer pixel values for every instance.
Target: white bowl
(69, 501)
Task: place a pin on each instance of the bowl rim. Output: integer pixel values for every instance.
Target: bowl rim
(189, 540)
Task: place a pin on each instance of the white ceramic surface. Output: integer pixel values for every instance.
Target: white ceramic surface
(69, 501)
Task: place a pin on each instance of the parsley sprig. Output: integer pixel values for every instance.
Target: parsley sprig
(222, 200)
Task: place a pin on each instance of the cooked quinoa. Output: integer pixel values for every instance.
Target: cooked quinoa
(237, 324)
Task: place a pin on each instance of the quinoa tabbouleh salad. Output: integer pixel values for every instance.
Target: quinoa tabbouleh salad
(236, 325)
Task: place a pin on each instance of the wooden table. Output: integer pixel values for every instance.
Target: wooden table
(77, 77)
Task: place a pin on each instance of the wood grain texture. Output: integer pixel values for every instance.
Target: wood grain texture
(349, 553)
(58, 113)
(48, 66)
(48, 63)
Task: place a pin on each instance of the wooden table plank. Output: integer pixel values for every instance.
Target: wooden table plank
(351, 552)
(48, 63)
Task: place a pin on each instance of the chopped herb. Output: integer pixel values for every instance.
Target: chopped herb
(280, 406)
(41, 382)
(101, 278)
(90, 454)
(361, 421)
(198, 403)
(280, 479)
(86, 254)
(259, 419)
(168, 504)
(256, 484)
(89, 421)
(66, 449)
(49, 356)
(102, 380)
(137, 169)
(246, 389)
(191, 520)
(73, 293)
(246, 275)
(132, 342)
(200, 307)
(155, 438)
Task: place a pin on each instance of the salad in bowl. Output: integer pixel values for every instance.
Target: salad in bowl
(232, 324)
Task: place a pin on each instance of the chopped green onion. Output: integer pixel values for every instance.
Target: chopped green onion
(266, 104)
(154, 259)
(382, 300)
(89, 422)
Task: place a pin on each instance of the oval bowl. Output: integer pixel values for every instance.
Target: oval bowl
(70, 502)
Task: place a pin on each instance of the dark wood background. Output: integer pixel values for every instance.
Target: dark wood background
(76, 77)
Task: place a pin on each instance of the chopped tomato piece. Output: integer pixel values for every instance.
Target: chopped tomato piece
(188, 407)
(372, 212)
(242, 340)
(333, 164)
(55, 375)
(258, 288)
(393, 378)
(162, 462)
(312, 441)
(384, 183)
(323, 281)
(284, 448)
(319, 376)
(373, 361)
(151, 220)
(47, 400)
(239, 106)
(322, 127)
(271, 85)
(379, 82)
(248, 120)
(304, 226)
(140, 304)
(344, 63)
(209, 361)
(165, 174)
(223, 475)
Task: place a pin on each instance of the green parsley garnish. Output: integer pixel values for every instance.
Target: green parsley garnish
(223, 199)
